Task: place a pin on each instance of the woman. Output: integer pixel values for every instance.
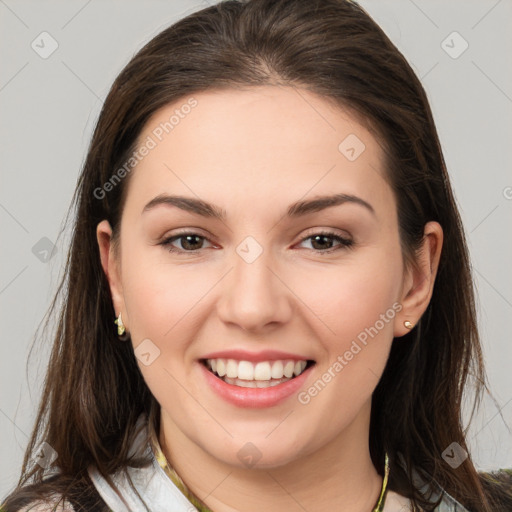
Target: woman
(266, 216)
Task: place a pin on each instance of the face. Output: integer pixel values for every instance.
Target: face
(295, 257)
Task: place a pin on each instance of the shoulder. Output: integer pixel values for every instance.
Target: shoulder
(498, 486)
(501, 477)
(396, 502)
(53, 504)
(59, 493)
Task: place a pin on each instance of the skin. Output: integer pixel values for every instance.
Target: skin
(253, 152)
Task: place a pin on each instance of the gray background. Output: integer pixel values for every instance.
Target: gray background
(49, 106)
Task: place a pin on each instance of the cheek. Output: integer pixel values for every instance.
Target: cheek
(357, 306)
(351, 297)
(162, 303)
(158, 292)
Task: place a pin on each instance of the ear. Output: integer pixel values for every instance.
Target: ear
(111, 267)
(419, 279)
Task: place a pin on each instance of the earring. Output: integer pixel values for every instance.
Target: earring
(408, 324)
(120, 326)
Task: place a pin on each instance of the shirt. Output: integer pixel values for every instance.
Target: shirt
(163, 490)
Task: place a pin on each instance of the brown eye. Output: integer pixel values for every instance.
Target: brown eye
(188, 242)
(323, 242)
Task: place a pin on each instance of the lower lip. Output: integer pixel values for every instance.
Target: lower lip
(254, 397)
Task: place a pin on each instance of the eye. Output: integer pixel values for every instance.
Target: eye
(321, 242)
(190, 242)
(324, 242)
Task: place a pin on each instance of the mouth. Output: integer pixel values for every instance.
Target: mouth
(263, 374)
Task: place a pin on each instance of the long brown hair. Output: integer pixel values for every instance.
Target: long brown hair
(94, 391)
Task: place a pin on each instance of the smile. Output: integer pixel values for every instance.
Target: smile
(262, 374)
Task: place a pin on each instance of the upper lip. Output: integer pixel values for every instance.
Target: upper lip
(255, 357)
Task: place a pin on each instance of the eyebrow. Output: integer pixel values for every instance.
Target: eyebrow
(298, 209)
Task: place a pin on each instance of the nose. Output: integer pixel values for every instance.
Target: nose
(254, 296)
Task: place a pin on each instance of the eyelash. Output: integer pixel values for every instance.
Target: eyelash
(344, 243)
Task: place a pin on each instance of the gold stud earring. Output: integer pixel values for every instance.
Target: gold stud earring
(408, 324)
(120, 326)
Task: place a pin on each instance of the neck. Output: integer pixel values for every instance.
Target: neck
(339, 475)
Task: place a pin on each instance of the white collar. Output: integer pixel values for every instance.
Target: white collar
(151, 482)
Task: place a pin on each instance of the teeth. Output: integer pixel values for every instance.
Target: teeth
(232, 369)
(243, 370)
(288, 368)
(254, 383)
(277, 370)
(262, 372)
(221, 367)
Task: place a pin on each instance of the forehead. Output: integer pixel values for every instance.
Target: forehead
(259, 142)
